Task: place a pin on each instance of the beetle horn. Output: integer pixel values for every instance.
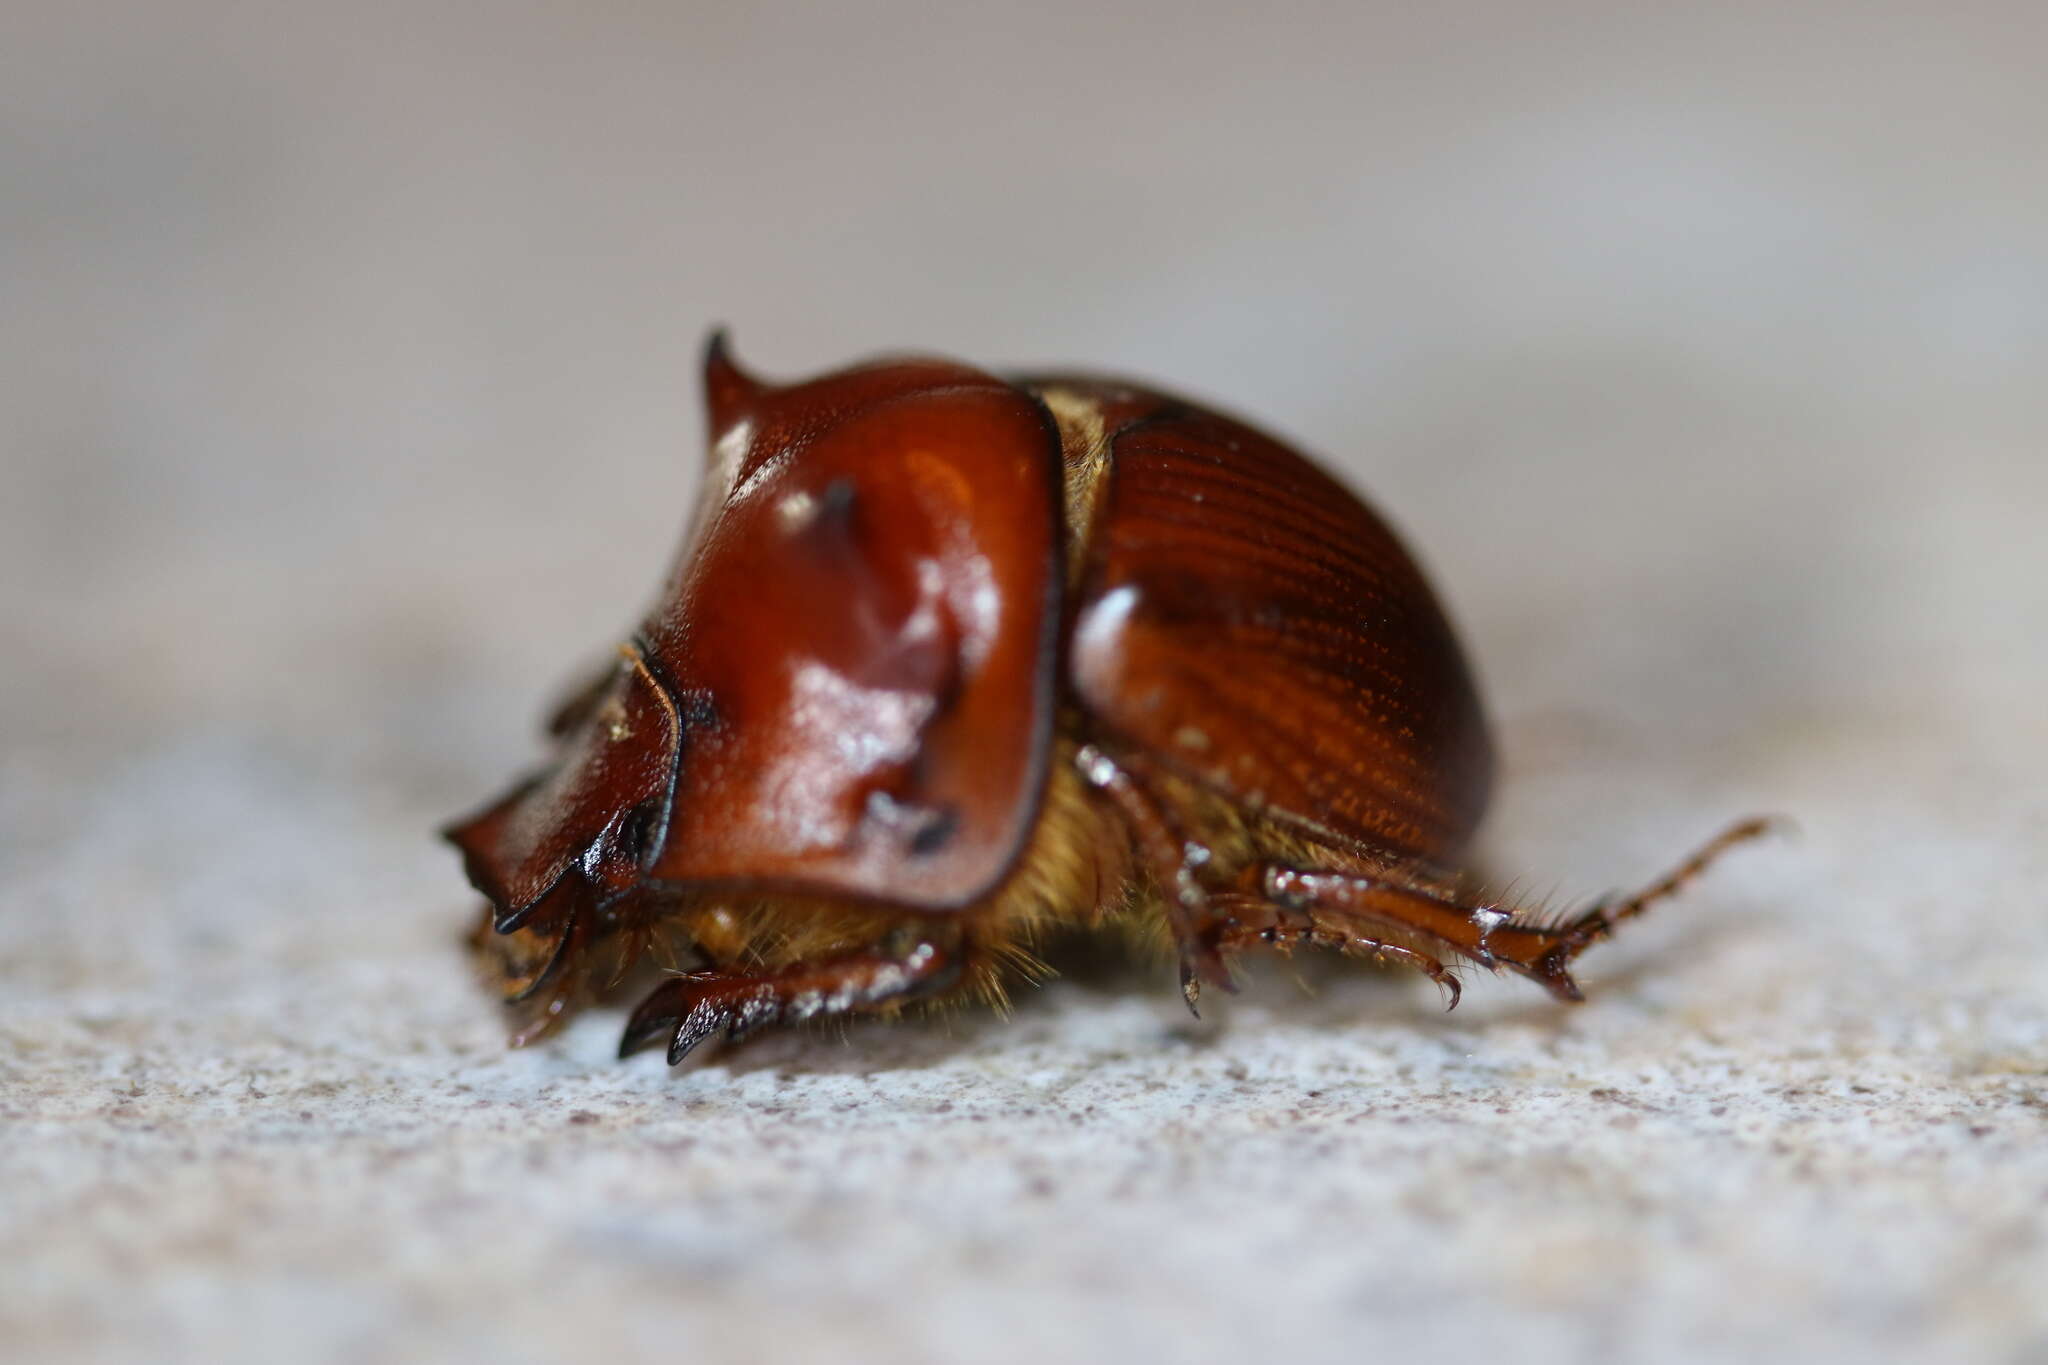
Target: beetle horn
(729, 391)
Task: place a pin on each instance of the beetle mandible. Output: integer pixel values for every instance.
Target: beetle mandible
(950, 661)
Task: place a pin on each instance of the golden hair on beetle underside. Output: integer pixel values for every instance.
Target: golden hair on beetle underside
(1073, 873)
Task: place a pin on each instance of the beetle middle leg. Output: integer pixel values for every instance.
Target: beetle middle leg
(1345, 908)
(696, 1005)
(1176, 863)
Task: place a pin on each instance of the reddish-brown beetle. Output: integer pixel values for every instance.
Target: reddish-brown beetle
(951, 661)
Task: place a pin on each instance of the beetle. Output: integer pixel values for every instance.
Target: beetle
(951, 661)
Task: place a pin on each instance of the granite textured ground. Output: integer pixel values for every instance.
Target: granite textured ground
(348, 366)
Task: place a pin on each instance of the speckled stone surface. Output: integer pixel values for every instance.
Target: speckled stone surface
(346, 365)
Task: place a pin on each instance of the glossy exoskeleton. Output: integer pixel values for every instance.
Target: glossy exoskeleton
(951, 661)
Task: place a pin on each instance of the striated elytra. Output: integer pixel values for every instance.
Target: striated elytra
(950, 661)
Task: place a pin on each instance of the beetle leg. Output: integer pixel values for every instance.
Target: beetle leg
(1343, 904)
(1175, 862)
(692, 1007)
(1258, 922)
(1490, 934)
(1599, 922)
(538, 971)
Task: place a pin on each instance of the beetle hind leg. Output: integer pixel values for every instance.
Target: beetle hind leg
(1353, 909)
(1604, 916)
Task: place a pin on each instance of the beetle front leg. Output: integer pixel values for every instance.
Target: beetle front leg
(692, 1007)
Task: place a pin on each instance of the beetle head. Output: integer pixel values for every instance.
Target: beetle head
(584, 830)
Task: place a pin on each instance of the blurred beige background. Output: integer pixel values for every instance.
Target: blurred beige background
(346, 405)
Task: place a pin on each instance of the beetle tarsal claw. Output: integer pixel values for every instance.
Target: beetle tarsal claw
(655, 1015)
(705, 1018)
(690, 1009)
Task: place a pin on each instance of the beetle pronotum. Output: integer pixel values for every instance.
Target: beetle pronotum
(951, 660)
